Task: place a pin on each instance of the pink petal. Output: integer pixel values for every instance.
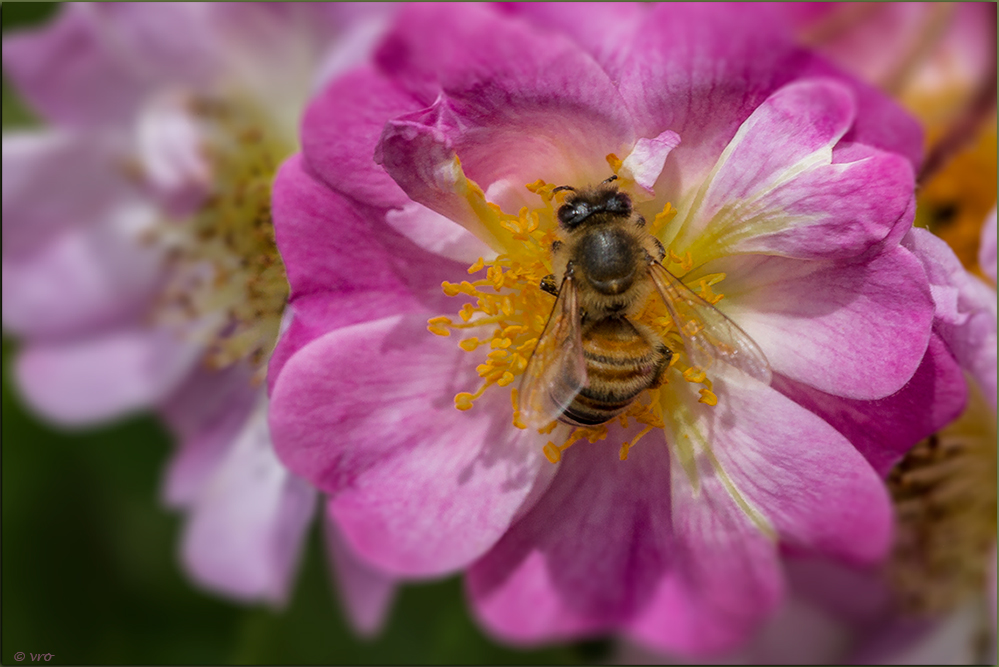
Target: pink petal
(437, 234)
(95, 63)
(645, 162)
(799, 199)
(590, 552)
(792, 130)
(701, 69)
(344, 263)
(420, 488)
(965, 309)
(86, 381)
(169, 146)
(802, 314)
(206, 412)
(688, 571)
(340, 130)
(331, 246)
(86, 280)
(54, 181)
(516, 103)
(885, 429)
(987, 250)
(248, 524)
(813, 488)
(365, 592)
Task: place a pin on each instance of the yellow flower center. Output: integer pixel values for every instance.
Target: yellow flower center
(226, 277)
(511, 310)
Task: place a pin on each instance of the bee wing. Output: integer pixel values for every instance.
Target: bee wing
(707, 333)
(556, 371)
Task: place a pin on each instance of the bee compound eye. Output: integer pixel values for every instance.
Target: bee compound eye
(566, 213)
(619, 203)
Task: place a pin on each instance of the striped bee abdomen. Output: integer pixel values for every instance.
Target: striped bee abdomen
(621, 362)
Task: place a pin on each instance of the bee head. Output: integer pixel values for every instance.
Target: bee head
(581, 205)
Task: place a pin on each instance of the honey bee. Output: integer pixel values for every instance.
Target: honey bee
(594, 358)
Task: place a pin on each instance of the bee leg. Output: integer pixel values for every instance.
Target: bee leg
(556, 246)
(660, 377)
(639, 221)
(609, 180)
(660, 248)
(548, 285)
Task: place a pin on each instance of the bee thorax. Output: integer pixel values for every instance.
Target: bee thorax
(609, 257)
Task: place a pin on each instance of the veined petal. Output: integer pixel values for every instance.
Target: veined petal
(691, 570)
(836, 210)
(586, 557)
(437, 234)
(344, 263)
(791, 133)
(421, 488)
(804, 314)
(248, 524)
(340, 130)
(515, 104)
(417, 151)
(735, 490)
(89, 381)
(330, 244)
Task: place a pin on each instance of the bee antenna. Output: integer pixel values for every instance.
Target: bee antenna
(612, 178)
(563, 187)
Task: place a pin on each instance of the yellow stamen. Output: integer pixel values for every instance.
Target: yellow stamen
(694, 374)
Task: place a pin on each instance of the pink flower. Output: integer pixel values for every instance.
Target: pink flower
(139, 267)
(770, 179)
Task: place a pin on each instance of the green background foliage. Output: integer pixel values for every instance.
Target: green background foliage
(90, 564)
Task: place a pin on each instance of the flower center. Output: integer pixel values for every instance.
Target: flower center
(227, 284)
(508, 305)
(945, 497)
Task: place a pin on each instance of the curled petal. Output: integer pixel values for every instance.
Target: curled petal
(645, 162)
(965, 308)
(800, 198)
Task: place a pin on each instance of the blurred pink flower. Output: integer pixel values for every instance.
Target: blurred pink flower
(139, 268)
(933, 55)
(793, 186)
